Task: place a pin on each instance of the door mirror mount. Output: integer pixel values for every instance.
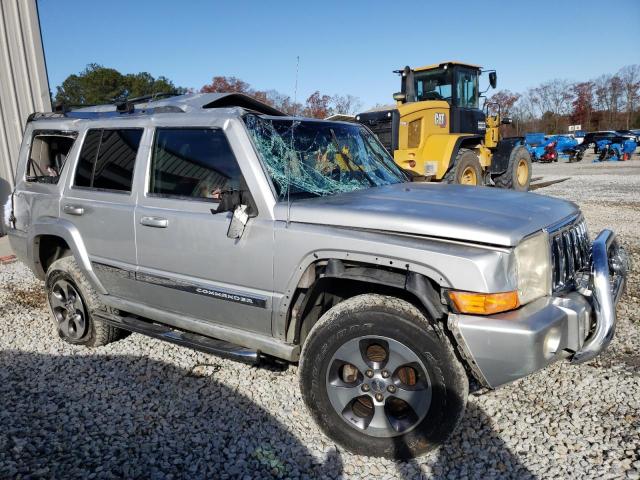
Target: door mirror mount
(238, 222)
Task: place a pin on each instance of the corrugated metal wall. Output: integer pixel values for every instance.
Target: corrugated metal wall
(24, 87)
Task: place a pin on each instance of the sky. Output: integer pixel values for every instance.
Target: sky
(345, 47)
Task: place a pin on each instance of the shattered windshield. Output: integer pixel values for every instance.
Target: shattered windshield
(307, 158)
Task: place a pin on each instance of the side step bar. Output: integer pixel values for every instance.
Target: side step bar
(186, 339)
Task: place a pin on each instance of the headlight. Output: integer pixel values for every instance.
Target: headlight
(533, 267)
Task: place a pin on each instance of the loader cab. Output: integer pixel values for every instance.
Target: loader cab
(452, 82)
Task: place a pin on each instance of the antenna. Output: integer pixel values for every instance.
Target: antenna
(295, 89)
(295, 101)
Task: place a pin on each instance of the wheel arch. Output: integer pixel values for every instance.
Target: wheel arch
(60, 232)
(325, 283)
(463, 141)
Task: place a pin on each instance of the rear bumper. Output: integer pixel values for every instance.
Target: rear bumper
(576, 326)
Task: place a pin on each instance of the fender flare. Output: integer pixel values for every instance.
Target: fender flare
(449, 145)
(66, 230)
(412, 282)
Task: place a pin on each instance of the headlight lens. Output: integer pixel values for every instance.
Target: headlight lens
(533, 264)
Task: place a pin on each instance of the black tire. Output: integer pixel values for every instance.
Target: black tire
(509, 179)
(381, 316)
(466, 163)
(603, 155)
(94, 332)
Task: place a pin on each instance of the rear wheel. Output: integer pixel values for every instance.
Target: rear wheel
(379, 380)
(71, 302)
(518, 173)
(466, 170)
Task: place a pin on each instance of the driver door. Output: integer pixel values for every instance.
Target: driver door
(186, 262)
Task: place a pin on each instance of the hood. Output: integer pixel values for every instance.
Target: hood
(477, 214)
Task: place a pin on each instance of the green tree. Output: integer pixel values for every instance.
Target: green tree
(97, 85)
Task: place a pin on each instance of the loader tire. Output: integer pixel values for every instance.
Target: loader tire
(518, 173)
(466, 169)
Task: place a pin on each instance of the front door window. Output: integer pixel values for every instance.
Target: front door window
(467, 88)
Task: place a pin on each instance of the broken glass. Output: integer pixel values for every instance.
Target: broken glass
(314, 158)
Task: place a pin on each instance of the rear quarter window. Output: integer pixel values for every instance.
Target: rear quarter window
(48, 155)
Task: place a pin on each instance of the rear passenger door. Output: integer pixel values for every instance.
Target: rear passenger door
(100, 203)
(186, 262)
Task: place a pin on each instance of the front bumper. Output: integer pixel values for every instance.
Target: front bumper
(576, 325)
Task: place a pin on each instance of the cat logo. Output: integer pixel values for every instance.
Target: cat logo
(440, 119)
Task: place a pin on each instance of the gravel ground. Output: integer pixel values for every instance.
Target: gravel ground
(144, 408)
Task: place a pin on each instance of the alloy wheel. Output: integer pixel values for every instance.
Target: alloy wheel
(378, 386)
(68, 310)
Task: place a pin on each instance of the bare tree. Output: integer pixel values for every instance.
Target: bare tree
(345, 104)
(553, 100)
(630, 78)
(608, 93)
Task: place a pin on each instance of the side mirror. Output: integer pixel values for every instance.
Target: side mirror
(243, 208)
(493, 79)
(238, 222)
(506, 121)
(399, 97)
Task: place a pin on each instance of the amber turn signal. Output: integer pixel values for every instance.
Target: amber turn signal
(484, 303)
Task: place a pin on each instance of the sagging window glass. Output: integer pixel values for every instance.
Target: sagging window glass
(193, 163)
(107, 159)
(48, 155)
(307, 158)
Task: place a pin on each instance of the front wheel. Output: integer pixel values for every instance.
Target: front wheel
(379, 380)
(466, 170)
(518, 173)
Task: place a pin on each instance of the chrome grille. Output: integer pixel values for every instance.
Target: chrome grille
(570, 253)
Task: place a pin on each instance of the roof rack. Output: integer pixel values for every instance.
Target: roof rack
(169, 103)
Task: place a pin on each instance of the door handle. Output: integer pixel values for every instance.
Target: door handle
(155, 222)
(73, 210)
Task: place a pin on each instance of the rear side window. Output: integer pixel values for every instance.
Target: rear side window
(48, 155)
(193, 163)
(107, 159)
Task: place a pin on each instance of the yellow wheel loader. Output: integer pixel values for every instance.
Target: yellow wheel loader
(438, 132)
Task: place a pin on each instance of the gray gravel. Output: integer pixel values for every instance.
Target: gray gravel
(144, 408)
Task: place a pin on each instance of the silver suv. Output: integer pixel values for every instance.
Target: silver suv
(214, 222)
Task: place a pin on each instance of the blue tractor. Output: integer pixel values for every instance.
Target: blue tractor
(620, 148)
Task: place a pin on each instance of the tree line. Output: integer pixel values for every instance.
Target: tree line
(608, 102)
(97, 85)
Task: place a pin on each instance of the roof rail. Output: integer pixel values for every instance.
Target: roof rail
(170, 103)
(44, 116)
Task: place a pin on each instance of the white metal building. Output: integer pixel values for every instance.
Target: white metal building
(24, 87)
